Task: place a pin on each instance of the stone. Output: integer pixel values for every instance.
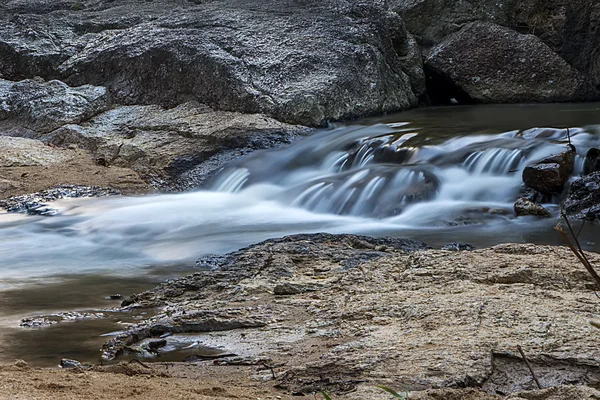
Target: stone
(22, 152)
(68, 363)
(550, 175)
(592, 161)
(40, 106)
(450, 319)
(454, 246)
(317, 62)
(177, 148)
(488, 63)
(583, 200)
(524, 207)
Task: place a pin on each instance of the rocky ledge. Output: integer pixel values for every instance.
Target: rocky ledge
(343, 313)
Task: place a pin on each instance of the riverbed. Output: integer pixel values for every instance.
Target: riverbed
(441, 175)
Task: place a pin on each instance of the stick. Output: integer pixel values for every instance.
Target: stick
(529, 366)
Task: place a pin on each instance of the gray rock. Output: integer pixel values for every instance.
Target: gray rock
(550, 174)
(315, 62)
(23, 152)
(583, 200)
(571, 29)
(41, 106)
(488, 63)
(68, 363)
(454, 246)
(524, 207)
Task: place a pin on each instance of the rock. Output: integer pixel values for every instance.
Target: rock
(488, 63)
(68, 363)
(549, 175)
(316, 62)
(156, 344)
(454, 246)
(583, 200)
(22, 152)
(34, 201)
(37, 322)
(114, 297)
(176, 148)
(423, 309)
(40, 106)
(592, 161)
(569, 28)
(524, 207)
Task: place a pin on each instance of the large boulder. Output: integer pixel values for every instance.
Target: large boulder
(571, 29)
(550, 175)
(315, 62)
(488, 63)
(583, 200)
(40, 106)
(592, 161)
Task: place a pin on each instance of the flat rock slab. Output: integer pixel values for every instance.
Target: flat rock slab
(388, 311)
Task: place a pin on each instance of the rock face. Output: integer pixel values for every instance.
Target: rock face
(583, 200)
(571, 29)
(386, 311)
(21, 152)
(524, 207)
(549, 175)
(316, 61)
(488, 63)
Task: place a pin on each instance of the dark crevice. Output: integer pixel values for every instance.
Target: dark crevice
(442, 91)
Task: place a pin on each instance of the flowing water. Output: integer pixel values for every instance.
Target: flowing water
(440, 175)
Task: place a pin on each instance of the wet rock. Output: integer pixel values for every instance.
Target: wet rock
(36, 105)
(592, 161)
(524, 207)
(458, 247)
(549, 175)
(583, 200)
(37, 322)
(156, 344)
(488, 63)
(35, 201)
(114, 297)
(68, 363)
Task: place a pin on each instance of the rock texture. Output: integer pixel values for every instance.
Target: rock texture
(583, 200)
(524, 207)
(569, 28)
(385, 311)
(550, 175)
(488, 63)
(313, 62)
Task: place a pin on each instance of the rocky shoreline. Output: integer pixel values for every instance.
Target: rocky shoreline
(344, 313)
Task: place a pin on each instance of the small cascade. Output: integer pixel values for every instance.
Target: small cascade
(381, 171)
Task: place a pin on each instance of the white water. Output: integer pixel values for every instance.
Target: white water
(389, 179)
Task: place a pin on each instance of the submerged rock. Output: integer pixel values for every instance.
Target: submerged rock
(583, 200)
(68, 364)
(524, 207)
(488, 63)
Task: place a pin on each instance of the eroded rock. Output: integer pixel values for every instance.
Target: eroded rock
(592, 161)
(447, 318)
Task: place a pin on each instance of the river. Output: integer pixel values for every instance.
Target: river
(448, 174)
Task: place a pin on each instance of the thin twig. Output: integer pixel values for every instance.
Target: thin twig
(579, 253)
(529, 366)
(135, 360)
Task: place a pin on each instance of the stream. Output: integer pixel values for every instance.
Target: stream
(441, 175)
